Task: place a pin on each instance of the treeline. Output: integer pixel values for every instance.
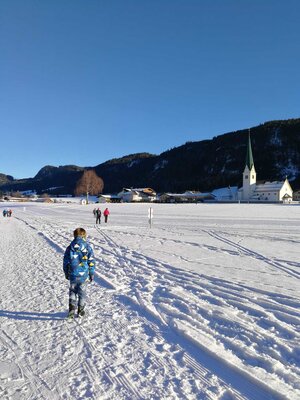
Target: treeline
(202, 165)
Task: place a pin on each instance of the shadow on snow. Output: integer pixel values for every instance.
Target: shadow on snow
(32, 316)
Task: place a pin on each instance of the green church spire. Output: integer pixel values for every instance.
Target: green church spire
(249, 156)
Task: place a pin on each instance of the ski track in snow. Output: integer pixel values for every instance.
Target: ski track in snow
(153, 330)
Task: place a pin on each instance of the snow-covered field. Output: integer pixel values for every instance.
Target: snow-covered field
(204, 305)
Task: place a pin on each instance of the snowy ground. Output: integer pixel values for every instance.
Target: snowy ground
(204, 305)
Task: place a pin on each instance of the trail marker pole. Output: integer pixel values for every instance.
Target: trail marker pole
(150, 216)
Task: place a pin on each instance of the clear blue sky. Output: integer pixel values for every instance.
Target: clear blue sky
(84, 81)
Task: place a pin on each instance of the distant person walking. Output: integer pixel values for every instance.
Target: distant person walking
(106, 214)
(98, 216)
(79, 267)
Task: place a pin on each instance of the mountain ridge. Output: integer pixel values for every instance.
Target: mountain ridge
(195, 165)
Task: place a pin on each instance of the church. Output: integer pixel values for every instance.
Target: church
(264, 192)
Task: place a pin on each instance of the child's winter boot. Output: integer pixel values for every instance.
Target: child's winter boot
(81, 311)
(71, 311)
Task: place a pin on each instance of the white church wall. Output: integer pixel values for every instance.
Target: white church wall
(286, 190)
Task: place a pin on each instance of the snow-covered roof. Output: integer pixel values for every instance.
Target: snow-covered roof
(109, 196)
(269, 187)
(145, 190)
(190, 195)
(228, 191)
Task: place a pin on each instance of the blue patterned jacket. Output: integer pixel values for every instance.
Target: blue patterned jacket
(79, 263)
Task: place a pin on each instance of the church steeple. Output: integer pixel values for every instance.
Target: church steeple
(249, 155)
(249, 174)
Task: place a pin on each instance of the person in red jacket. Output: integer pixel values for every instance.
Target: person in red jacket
(106, 214)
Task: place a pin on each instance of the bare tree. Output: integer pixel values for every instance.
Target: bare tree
(17, 194)
(89, 183)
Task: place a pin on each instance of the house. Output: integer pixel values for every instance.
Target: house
(137, 195)
(296, 195)
(265, 191)
(225, 194)
(186, 197)
(109, 198)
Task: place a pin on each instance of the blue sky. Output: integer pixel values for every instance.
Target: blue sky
(84, 81)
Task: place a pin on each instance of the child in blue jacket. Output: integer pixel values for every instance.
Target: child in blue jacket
(79, 267)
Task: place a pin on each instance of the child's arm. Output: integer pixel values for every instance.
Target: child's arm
(66, 263)
(91, 263)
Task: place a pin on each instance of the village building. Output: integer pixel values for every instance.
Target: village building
(186, 197)
(226, 194)
(109, 198)
(279, 191)
(296, 195)
(137, 195)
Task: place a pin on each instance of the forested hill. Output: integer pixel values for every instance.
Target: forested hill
(202, 165)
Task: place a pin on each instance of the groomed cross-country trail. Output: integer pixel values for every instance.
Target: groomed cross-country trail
(205, 304)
